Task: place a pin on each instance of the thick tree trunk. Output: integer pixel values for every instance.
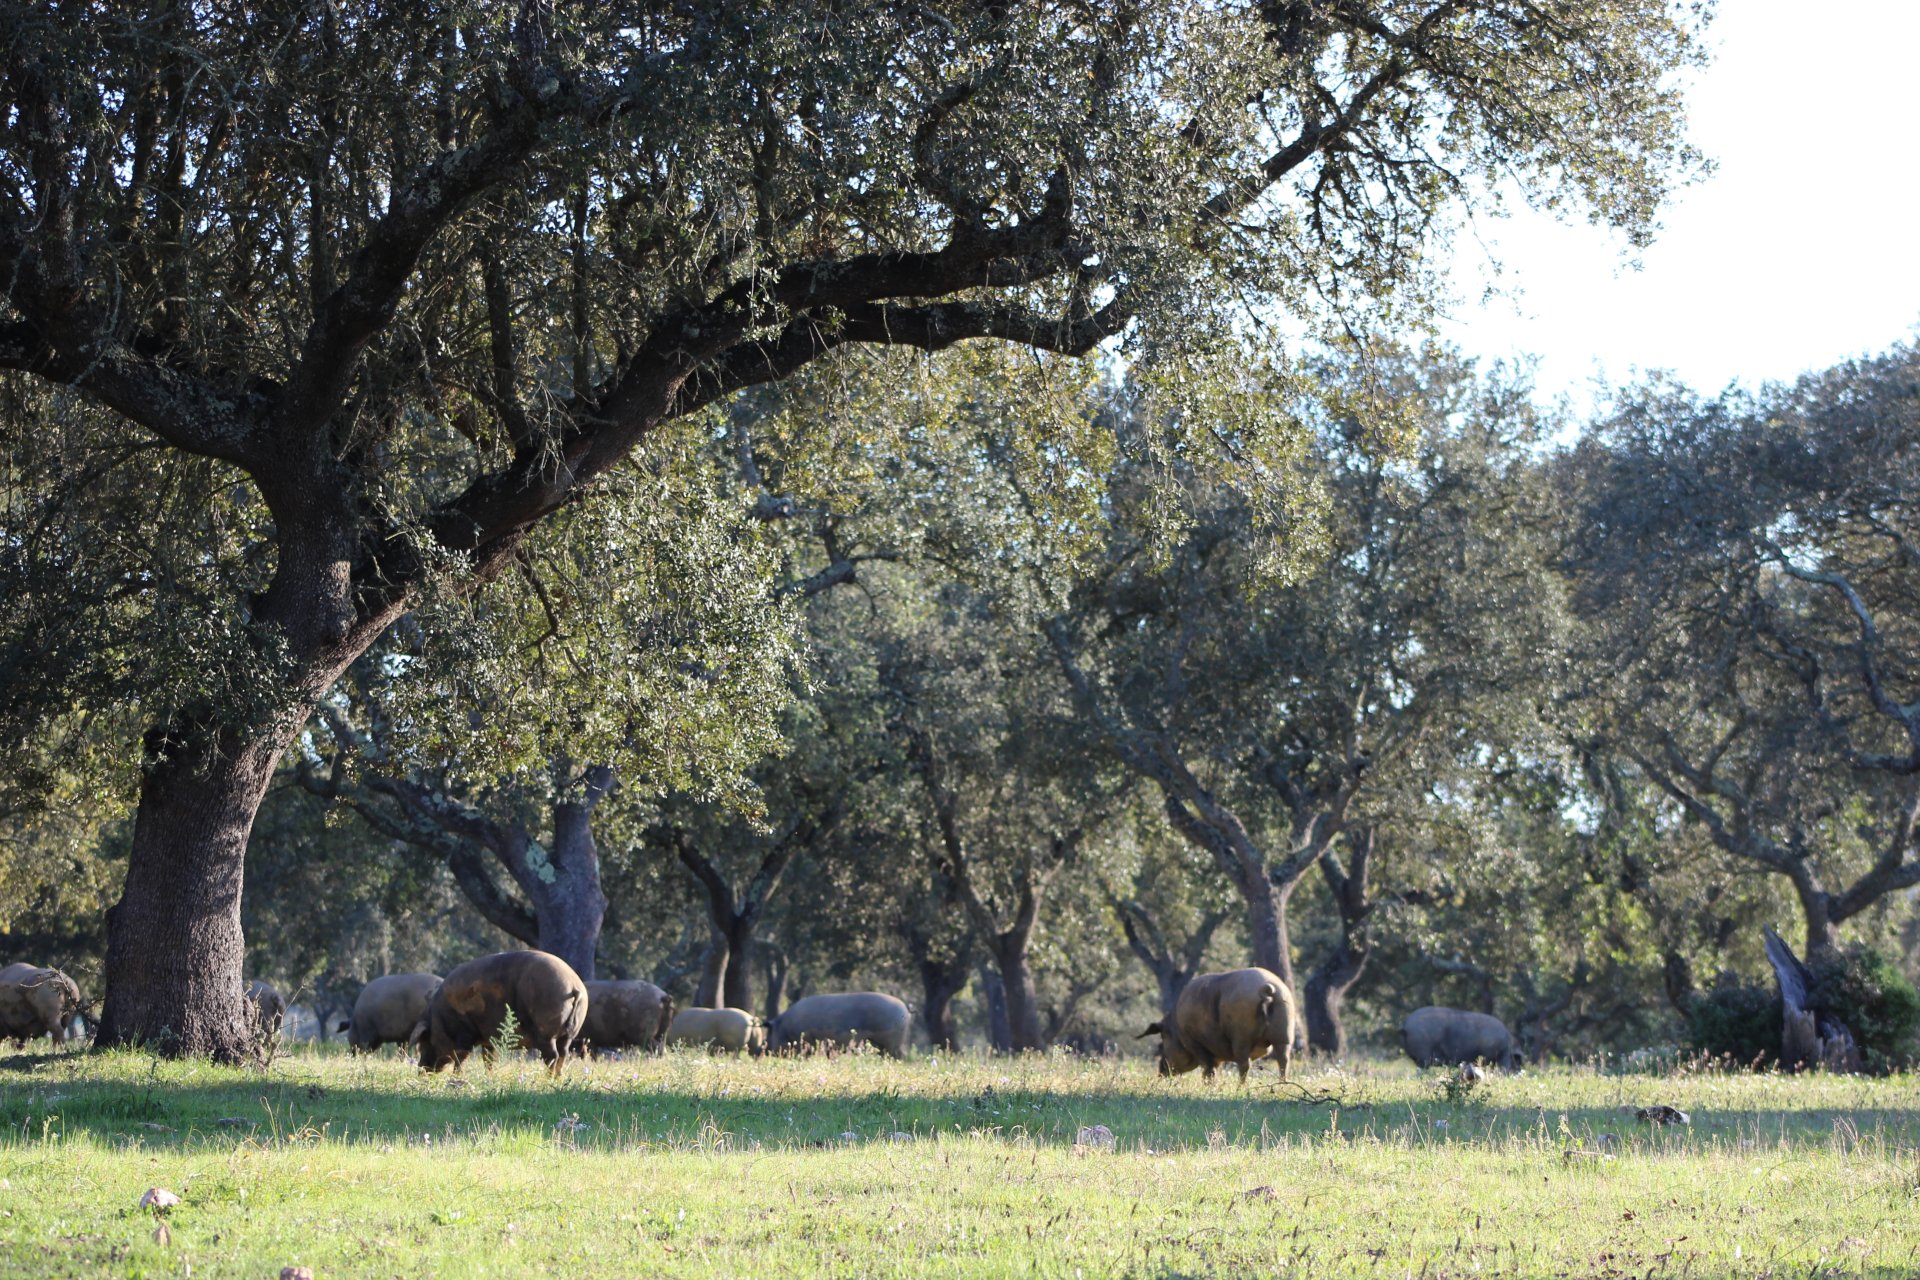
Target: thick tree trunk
(713, 974)
(174, 947)
(776, 981)
(1026, 1029)
(1328, 984)
(942, 977)
(1325, 995)
(939, 984)
(993, 996)
(570, 903)
(1816, 909)
(738, 985)
(1267, 925)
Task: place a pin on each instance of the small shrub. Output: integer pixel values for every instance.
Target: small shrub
(507, 1039)
(1867, 991)
(1736, 1020)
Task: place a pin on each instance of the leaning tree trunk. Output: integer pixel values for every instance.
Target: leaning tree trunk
(174, 946)
(1327, 986)
(1809, 1036)
(939, 984)
(1324, 996)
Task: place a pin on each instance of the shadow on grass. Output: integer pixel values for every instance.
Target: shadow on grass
(42, 1095)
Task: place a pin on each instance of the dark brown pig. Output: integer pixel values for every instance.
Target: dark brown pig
(546, 996)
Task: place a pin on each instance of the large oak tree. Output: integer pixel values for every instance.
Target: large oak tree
(1746, 570)
(315, 310)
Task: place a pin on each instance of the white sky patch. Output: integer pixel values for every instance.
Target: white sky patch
(1801, 251)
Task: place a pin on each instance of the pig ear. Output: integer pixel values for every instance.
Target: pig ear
(419, 1030)
(1155, 1030)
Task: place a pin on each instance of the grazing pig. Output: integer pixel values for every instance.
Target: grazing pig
(269, 1008)
(466, 1011)
(1434, 1035)
(625, 1015)
(881, 1020)
(1235, 1017)
(717, 1029)
(36, 1002)
(388, 1009)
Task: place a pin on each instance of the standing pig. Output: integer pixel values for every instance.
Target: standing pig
(466, 1011)
(1434, 1035)
(718, 1029)
(269, 1008)
(881, 1020)
(388, 1009)
(1235, 1017)
(36, 1002)
(625, 1015)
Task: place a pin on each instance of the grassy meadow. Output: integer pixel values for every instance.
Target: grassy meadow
(686, 1165)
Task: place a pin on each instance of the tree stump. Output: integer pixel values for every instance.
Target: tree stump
(1809, 1036)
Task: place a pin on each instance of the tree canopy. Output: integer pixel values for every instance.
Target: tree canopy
(315, 315)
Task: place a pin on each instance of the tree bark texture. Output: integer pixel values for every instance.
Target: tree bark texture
(1267, 925)
(568, 899)
(1026, 1028)
(942, 977)
(1326, 987)
(939, 984)
(738, 987)
(1809, 1036)
(993, 999)
(174, 947)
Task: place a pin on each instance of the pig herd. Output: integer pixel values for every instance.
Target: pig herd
(1235, 1017)
(556, 1013)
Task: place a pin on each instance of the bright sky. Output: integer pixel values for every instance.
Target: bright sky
(1802, 250)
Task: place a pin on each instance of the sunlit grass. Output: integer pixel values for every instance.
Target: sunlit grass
(689, 1165)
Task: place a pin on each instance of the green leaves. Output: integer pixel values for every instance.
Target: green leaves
(644, 629)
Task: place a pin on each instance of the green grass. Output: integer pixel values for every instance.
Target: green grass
(858, 1166)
